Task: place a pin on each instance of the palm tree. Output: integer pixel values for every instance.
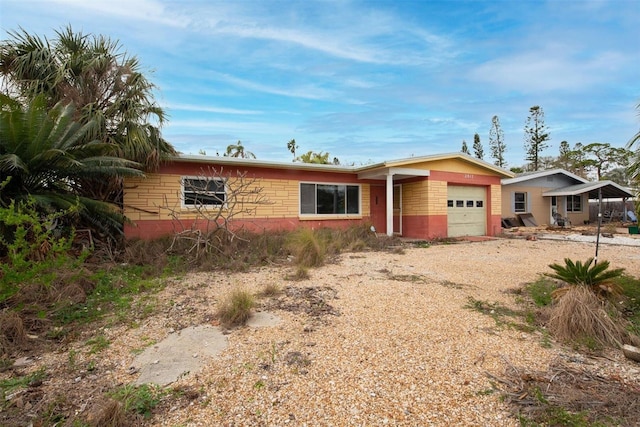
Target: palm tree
(237, 150)
(105, 85)
(46, 156)
(596, 277)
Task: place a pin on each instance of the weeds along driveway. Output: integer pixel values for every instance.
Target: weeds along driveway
(376, 338)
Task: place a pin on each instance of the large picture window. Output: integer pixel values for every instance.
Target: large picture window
(329, 199)
(574, 203)
(201, 191)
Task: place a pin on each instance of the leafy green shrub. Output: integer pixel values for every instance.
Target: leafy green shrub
(541, 291)
(235, 309)
(32, 251)
(139, 399)
(630, 303)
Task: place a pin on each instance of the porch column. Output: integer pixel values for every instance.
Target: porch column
(389, 188)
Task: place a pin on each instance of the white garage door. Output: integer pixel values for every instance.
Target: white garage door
(466, 211)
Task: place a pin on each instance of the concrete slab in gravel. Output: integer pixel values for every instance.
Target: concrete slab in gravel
(186, 351)
(180, 353)
(262, 319)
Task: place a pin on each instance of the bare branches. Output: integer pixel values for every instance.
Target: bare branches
(212, 208)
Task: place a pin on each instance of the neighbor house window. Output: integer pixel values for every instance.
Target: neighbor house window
(519, 202)
(203, 191)
(574, 203)
(329, 199)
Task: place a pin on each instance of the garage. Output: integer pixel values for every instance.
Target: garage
(466, 211)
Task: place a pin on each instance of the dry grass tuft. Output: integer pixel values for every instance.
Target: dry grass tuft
(301, 273)
(271, 290)
(308, 247)
(581, 316)
(108, 414)
(12, 332)
(235, 309)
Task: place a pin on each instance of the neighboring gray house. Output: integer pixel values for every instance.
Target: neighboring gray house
(554, 196)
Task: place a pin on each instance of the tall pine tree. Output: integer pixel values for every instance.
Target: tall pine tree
(535, 136)
(478, 150)
(496, 143)
(464, 148)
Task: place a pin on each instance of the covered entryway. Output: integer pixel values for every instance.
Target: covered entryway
(466, 211)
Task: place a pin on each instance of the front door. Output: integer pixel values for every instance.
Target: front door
(554, 210)
(379, 208)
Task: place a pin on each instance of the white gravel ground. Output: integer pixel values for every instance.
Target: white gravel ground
(401, 350)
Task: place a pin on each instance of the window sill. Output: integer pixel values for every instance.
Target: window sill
(328, 217)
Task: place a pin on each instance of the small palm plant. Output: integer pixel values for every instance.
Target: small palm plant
(582, 311)
(597, 277)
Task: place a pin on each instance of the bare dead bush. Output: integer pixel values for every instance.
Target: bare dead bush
(217, 199)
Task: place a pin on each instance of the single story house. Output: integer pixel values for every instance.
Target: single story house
(554, 197)
(427, 197)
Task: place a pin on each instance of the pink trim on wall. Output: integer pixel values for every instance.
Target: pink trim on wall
(152, 229)
(424, 226)
(194, 169)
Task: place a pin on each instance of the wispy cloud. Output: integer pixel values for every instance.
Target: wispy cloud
(555, 68)
(208, 109)
(139, 10)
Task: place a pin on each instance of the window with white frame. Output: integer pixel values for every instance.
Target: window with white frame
(203, 191)
(519, 201)
(329, 199)
(574, 203)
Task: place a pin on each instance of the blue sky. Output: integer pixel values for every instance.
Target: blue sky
(371, 80)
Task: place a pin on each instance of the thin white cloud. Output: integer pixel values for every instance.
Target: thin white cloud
(242, 127)
(143, 10)
(307, 91)
(207, 109)
(546, 70)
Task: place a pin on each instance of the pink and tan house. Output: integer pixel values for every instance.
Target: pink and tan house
(436, 196)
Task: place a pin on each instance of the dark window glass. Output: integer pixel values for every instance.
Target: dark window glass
(203, 191)
(329, 199)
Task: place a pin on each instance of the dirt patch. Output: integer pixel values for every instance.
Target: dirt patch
(311, 300)
(569, 388)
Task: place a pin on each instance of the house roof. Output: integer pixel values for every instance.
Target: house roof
(400, 167)
(610, 190)
(403, 164)
(527, 176)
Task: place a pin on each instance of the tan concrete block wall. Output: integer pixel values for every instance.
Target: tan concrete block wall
(415, 197)
(153, 197)
(424, 198)
(438, 200)
(496, 200)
